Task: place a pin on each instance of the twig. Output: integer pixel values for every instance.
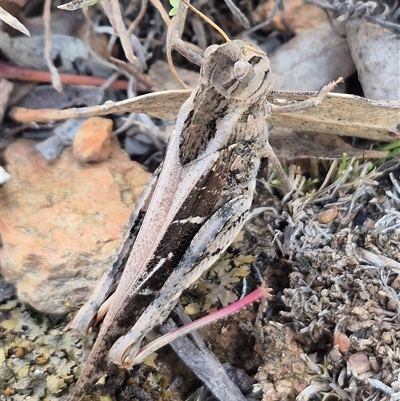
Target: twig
(277, 4)
(137, 20)
(146, 80)
(206, 367)
(113, 12)
(55, 77)
(171, 65)
(31, 75)
(238, 14)
(157, 4)
(189, 328)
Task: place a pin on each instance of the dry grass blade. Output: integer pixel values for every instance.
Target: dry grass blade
(134, 24)
(238, 14)
(55, 76)
(113, 12)
(145, 79)
(12, 21)
(164, 15)
(277, 5)
(171, 65)
(204, 364)
(77, 4)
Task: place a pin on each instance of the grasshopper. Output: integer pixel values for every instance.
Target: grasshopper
(192, 208)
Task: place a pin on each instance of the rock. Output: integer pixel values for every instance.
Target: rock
(376, 54)
(311, 59)
(55, 384)
(342, 340)
(62, 222)
(360, 362)
(328, 215)
(7, 291)
(92, 142)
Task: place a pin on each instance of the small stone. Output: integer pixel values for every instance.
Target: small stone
(23, 385)
(42, 359)
(396, 283)
(92, 142)
(9, 305)
(23, 372)
(20, 352)
(392, 305)
(192, 309)
(55, 384)
(328, 215)
(360, 362)
(342, 341)
(375, 366)
(9, 392)
(387, 338)
(150, 361)
(369, 224)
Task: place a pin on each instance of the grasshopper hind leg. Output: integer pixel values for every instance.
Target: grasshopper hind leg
(208, 244)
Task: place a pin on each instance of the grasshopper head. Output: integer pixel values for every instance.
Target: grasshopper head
(238, 70)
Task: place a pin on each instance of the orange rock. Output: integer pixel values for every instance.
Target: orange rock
(326, 216)
(342, 341)
(296, 15)
(92, 142)
(64, 222)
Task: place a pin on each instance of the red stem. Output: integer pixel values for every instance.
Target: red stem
(27, 74)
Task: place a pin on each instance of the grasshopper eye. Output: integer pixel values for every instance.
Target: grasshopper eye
(255, 60)
(243, 71)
